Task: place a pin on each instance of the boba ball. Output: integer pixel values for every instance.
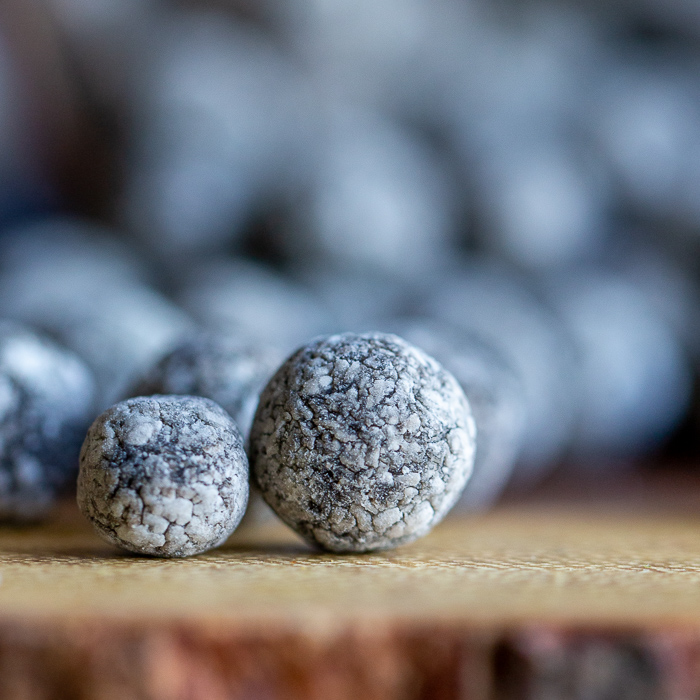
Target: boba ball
(362, 442)
(495, 394)
(46, 395)
(218, 366)
(635, 379)
(380, 200)
(85, 289)
(164, 475)
(494, 302)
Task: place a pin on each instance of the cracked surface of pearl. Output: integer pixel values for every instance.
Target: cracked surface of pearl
(362, 442)
(164, 475)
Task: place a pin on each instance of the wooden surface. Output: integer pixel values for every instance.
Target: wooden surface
(536, 599)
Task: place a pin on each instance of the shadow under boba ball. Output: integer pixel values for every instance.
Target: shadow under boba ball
(164, 475)
(362, 442)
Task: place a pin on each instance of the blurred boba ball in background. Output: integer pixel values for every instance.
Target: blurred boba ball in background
(46, 403)
(87, 289)
(542, 207)
(217, 132)
(217, 366)
(394, 56)
(635, 380)
(378, 200)
(494, 302)
(647, 120)
(362, 298)
(253, 301)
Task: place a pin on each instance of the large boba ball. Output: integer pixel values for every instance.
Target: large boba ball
(46, 395)
(164, 475)
(362, 442)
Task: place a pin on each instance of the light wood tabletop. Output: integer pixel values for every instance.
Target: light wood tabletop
(528, 591)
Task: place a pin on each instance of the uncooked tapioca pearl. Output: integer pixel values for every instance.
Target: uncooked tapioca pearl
(635, 382)
(362, 442)
(46, 395)
(83, 287)
(164, 475)
(496, 397)
(219, 367)
(493, 301)
(379, 201)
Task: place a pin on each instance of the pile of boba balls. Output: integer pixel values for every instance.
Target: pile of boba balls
(366, 262)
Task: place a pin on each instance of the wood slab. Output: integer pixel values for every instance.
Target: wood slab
(546, 599)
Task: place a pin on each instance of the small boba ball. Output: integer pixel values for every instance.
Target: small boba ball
(218, 366)
(495, 394)
(164, 475)
(362, 442)
(46, 395)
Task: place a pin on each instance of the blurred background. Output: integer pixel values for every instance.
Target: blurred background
(521, 177)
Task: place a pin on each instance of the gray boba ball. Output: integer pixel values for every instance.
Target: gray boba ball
(46, 395)
(84, 288)
(218, 366)
(164, 475)
(495, 394)
(362, 442)
(636, 382)
(491, 300)
(380, 200)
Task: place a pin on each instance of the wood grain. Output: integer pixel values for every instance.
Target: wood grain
(528, 601)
